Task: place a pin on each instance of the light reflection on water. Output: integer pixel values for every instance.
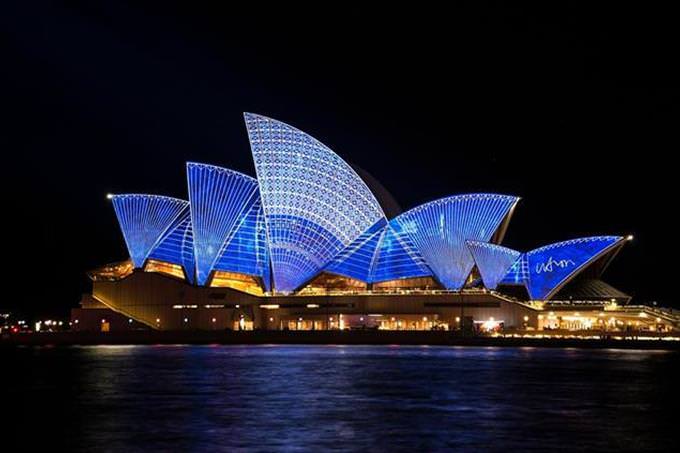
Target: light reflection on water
(272, 398)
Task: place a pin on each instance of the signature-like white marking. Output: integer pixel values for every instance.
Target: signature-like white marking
(552, 264)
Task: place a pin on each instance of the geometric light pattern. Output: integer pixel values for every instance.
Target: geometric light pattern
(440, 228)
(356, 260)
(314, 203)
(219, 198)
(245, 252)
(143, 220)
(518, 274)
(493, 261)
(309, 212)
(177, 246)
(397, 257)
(552, 266)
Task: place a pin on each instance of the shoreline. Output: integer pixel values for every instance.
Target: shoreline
(443, 338)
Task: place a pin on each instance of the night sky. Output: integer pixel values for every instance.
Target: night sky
(574, 110)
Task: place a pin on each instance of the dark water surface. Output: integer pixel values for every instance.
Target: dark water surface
(273, 398)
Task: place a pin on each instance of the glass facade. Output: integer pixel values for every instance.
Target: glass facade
(112, 272)
(246, 283)
(144, 219)
(162, 267)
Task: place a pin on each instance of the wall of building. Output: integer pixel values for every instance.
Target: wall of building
(166, 303)
(102, 320)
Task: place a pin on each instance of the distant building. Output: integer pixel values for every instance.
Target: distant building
(307, 245)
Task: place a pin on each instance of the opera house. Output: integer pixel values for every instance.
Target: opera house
(314, 243)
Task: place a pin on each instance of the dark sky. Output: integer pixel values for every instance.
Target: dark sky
(575, 110)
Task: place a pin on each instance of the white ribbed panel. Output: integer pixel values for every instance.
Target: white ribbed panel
(314, 203)
(440, 228)
(219, 199)
(144, 219)
(493, 261)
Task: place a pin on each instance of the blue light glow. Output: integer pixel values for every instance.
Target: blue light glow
(440, 228)
(493, 261)
(246, 250)
(356, 260)
(518, 274)
(397, 257)
(177, 247)
(144, 219)
(219, 200)
(552, 266)
(315, 204)
(309, 212)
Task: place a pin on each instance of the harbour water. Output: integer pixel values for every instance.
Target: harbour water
(344, 398)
